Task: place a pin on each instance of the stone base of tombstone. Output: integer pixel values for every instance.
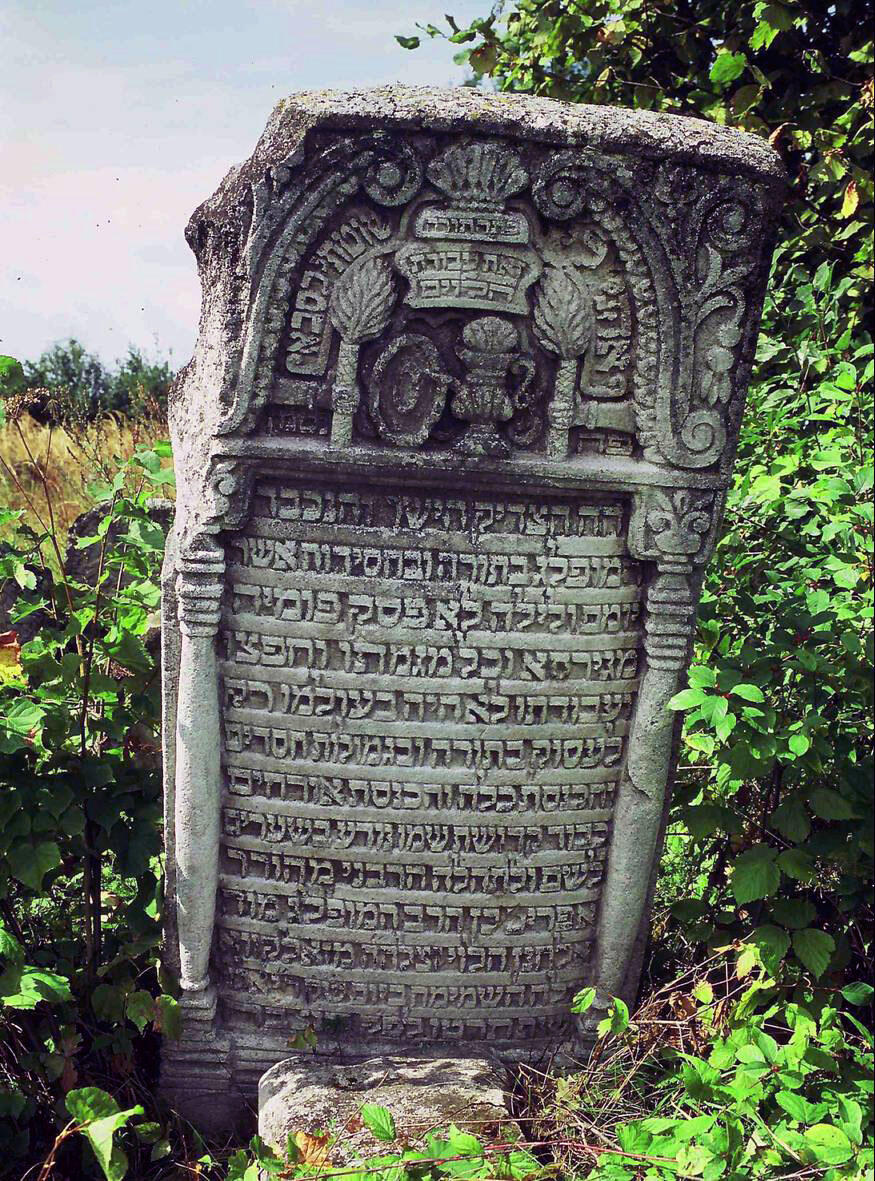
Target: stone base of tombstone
(302, 1094)
(196, 1078)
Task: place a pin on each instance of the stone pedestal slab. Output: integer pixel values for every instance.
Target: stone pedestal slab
(303, 1095)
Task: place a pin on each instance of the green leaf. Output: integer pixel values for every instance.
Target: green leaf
(702, 677)
(748, 692)
(727, 67)
(108, 1002)
(583, 1000)
(797, 864)
(617, 1020)
(793, 913)
(379, 1121)
(30, 863)
(463, 1143)
(814, 948)
(687, 699)
(829, 805)
(408, 42)
(168, 1017)
(10, 948)
(858, 993)
(829, 1144)
(799, 1108)
(99, 1116)
(23, 716)
(25, 577)
(773, 944)
(799, 743)
(140, 1008)
(704, 819)
(703, 992)
(755, 875)
(25, 987)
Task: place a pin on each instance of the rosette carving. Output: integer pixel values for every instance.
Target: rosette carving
(394, 175)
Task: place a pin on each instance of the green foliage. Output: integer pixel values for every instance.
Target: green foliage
(80, 809)
(724, 1072)
(67, 382)
(449, 1153)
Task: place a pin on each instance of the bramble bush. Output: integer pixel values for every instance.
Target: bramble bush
(80, 807)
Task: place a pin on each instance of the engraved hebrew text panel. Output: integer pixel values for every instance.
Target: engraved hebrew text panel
(426, 700)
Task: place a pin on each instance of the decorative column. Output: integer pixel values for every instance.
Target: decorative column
(674, 529)
(198, 784)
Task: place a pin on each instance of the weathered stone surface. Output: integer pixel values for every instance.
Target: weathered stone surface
(303, 1095)
(83, 562)
(31, 625)
(452, 453)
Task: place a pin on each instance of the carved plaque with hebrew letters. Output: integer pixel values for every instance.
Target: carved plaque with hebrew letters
(452, 453)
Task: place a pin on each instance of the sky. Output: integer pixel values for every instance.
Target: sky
(118, 117)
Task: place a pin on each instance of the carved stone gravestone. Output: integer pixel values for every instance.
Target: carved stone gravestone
(452, 453)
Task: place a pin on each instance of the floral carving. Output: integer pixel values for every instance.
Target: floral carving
(360, 306)
(362, 300)
(564, 319)
(674, 527)
(565, 325)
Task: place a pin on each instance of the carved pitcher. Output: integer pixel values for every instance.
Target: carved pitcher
(492, 388)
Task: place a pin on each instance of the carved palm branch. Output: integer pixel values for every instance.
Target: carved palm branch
(564, 320)
(362, 300)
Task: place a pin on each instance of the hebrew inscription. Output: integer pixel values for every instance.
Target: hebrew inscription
(423, 729)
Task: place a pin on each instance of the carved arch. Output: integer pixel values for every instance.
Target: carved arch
(285, 224)
(681, 405)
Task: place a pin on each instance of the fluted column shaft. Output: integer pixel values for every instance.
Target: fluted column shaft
(198, 784)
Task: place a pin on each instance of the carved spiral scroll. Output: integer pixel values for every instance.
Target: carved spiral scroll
(559, 191)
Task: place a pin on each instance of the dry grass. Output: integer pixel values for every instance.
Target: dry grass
(49, 470)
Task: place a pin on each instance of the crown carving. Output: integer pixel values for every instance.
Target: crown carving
(480, 176)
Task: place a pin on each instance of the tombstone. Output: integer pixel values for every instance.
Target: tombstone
(452, 452)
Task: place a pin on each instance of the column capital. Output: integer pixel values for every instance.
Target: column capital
(199, 586)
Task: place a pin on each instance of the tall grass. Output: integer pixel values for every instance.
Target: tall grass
(50, 471)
